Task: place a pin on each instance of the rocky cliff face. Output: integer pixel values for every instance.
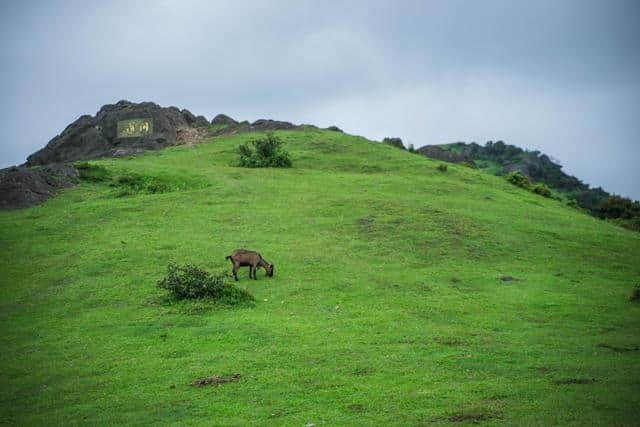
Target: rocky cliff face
(116, 130)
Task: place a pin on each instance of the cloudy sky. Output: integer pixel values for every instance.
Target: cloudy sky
(558, 76)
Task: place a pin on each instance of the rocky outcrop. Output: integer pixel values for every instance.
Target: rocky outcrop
(118, 129)
(435, 152)
(194, 121)
(266, 124)
(22, 187)
(223, 119)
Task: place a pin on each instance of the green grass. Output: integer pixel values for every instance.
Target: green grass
(386, 305)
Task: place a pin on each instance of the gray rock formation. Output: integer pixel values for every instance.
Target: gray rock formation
(223, 119)
(435, 152)
(117, 129)
(266, 124)
(21, 187)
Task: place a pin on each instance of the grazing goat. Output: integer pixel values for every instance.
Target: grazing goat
(251, 259)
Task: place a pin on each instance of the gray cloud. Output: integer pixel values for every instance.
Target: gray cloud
(560, 77)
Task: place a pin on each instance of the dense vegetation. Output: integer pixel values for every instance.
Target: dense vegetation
(501, 159)
(519, 179)
(403, 296)
(397, 143)
(264, 152)
(191, 282)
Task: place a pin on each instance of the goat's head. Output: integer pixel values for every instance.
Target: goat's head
(269, 269)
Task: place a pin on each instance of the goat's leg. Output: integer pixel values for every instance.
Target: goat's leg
(255, 270)
(250, 271)
(235, 271)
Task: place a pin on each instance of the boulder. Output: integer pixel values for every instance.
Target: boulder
(222, 119)
(265, 124)
(119, 129)
(22, 187)
(194, 121)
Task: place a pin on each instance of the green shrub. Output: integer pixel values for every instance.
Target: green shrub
(92, 173)
(411, 148)
(541, 189)
(134, 183)
(128, 184)
(394, 142)
(618, 207)
(157, 186)
(131, 180)
(442, 167)
(631, 224)
(264, 153)
(635, 294)
(519, 179)
(572, 203)
(191, 282)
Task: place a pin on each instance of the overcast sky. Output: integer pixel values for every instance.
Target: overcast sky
(559, 76)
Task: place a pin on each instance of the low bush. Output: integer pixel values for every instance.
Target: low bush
(133, 183)
(442, 167)
(541, 189)
(470, 165)
(572, 203)
(519, 179)
(635, 294)
(264, 153)
(191, 282)
(631, 224)
(618, 207)
(394, 142)
(92, 173)
(128, 183)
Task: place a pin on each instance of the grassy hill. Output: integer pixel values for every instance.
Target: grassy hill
(386, 306)
(499, 158)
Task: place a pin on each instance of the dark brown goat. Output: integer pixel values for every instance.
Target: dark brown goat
(251, 259)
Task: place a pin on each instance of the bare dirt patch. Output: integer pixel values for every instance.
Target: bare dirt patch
(356, 407)
(575, 381)
(619, 349)
(467, 417)
(474, 418)
(451, 342)
(363, 371)
(216, 380)
(366, 220)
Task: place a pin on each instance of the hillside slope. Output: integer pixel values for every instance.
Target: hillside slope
(386, 307)
(500, 158)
